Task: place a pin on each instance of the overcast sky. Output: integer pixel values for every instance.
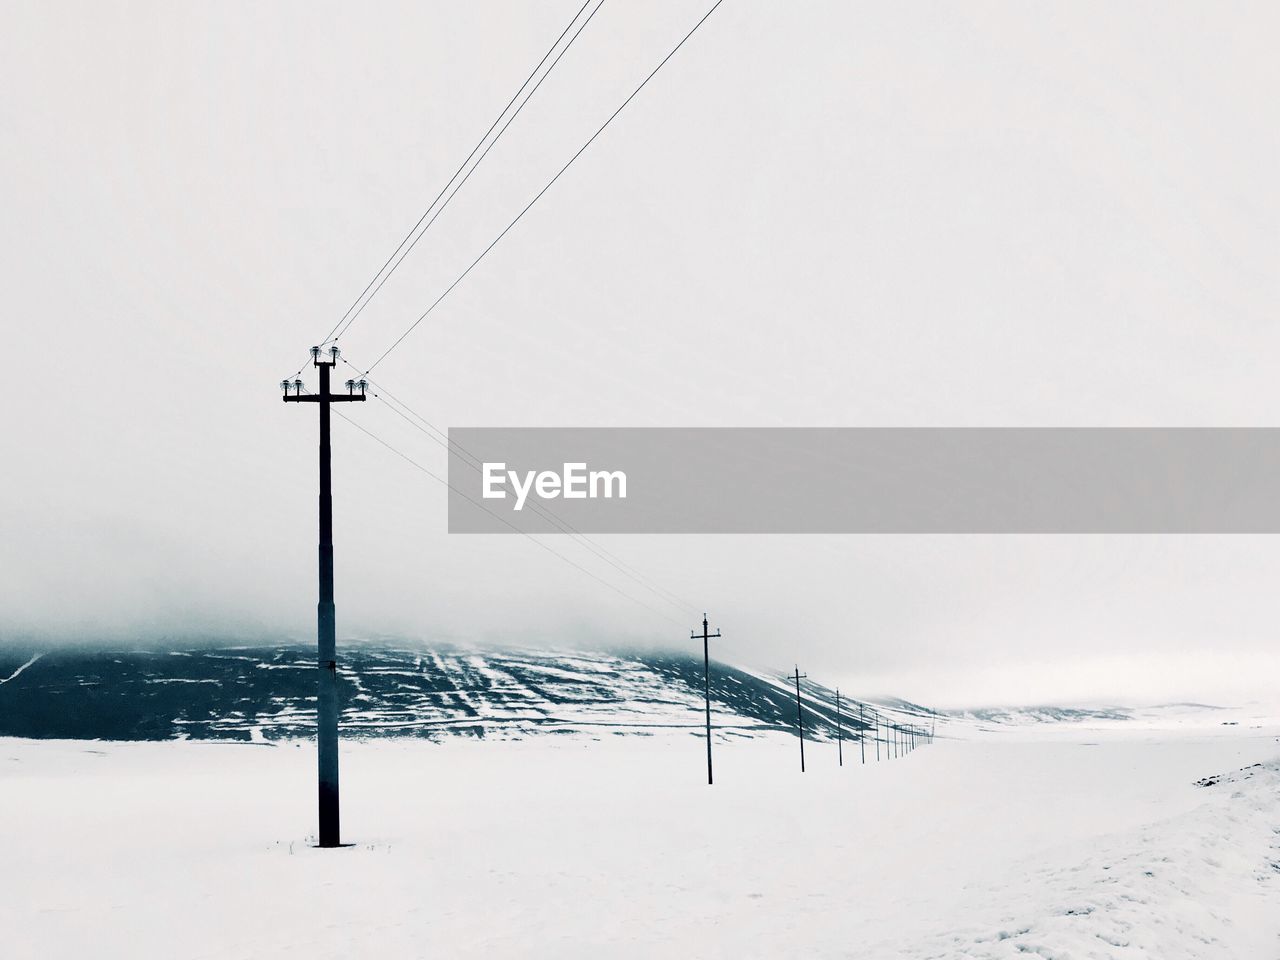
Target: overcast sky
(818, 214)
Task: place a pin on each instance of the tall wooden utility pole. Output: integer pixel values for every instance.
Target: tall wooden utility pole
(862, 732)
(800, 716)
(326, 627)
(706, 681)
(839, 730)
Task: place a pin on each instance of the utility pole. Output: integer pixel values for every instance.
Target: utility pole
(800, 716)
(839, 730)
(326, 624)
(875, 718)
(862, 732)
(706, 681)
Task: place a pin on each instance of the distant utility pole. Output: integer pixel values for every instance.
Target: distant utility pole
(875, 718)
(800, 715)
(706, 681)
(839, 730)
(326, 624)
(862, 732)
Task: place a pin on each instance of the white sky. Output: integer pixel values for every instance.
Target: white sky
(819, 213)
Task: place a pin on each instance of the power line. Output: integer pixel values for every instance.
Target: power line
(474, 149)
(474, 167)
(504, 520)
(440, 437)
(555, 521)
(549, 184)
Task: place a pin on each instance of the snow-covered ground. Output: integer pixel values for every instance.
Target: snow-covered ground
(1052, 840)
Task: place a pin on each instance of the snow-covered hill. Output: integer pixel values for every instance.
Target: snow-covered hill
(389, 690)
(1165, 716)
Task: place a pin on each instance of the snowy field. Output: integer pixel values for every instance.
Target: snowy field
(1054, 841)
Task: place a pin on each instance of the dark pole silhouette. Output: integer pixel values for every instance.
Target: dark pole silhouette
(839, 730)
(875, 718)
(706, 682)
(862, 732)
(800, 716)
(326, 624)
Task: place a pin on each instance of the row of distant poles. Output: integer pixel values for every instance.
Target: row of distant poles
(899, 740)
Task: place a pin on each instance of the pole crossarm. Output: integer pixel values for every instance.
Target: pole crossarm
(316, 398)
